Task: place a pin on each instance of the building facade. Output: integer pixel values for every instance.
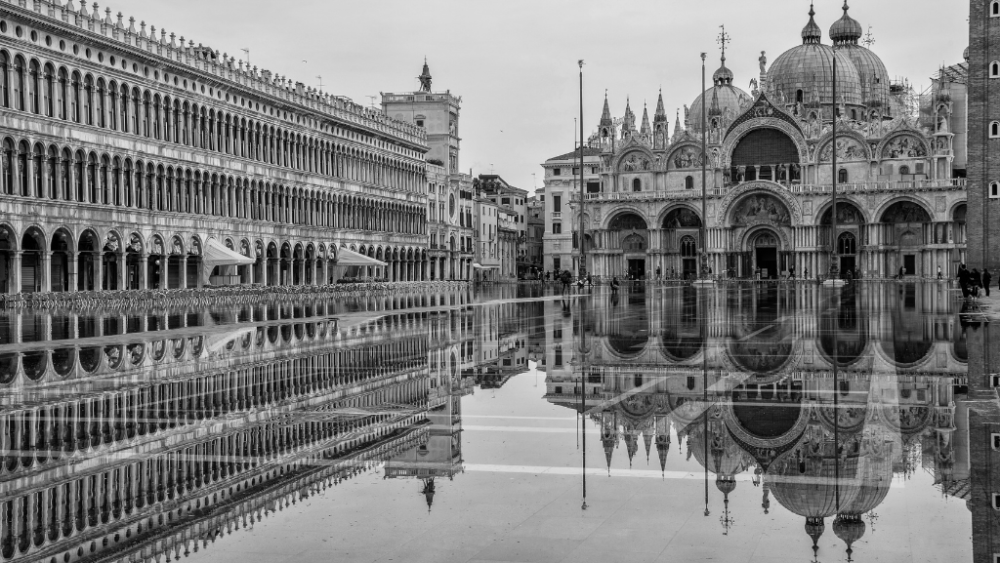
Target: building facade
(512, 204)
(770, 171)
(132, 160)
(450, 205)
(561, 185)
(984, 133)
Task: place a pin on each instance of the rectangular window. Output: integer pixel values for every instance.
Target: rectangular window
(557, 171)
(557, 228)
(505, 201)
(558, 359)
(593, 187)
(994, 190)
(557, 204)
(557, 333)
(556, 263)
(576, 171)
(593, 170)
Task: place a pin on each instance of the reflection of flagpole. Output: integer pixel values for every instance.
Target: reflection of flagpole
(704, 395)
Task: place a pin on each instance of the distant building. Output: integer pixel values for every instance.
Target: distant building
(561, 184)
(512, 222)
(533, 246)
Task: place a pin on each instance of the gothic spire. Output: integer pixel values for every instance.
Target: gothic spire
(661, 114)
(645, 120)
(606, 114)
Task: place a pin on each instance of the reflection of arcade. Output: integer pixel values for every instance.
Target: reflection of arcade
(226, 422)
(823, 423)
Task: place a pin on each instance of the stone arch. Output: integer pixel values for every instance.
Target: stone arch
(727, 206)
(645, 163)
(671, 162)
(842, 134)
(879, 215)
(622, 211)
(890, 143)
(741, 130)
(674, 211)
(853, 201)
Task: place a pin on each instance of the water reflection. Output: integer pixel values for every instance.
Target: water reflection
(147, 435)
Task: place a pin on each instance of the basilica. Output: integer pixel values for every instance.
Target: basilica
(772, 163)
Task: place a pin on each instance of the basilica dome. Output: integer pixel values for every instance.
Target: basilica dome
(722, 99)
(805, 73)
(845, 34)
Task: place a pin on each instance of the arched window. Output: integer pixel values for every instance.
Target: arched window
(847, 244)
(995, 69)
(842, 176)
(689, 182)
(994, 190)
(636, 185)
(688, 247)
(798, 96)
(995, 9)
(995, 129)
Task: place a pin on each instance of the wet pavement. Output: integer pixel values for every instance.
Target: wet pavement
(737, 423)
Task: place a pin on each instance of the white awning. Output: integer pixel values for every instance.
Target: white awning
(477, 266)
(216, 254)
(347, 257)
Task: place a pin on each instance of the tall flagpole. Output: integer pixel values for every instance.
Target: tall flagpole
(834, 259)
(581, 239)
(704, 175)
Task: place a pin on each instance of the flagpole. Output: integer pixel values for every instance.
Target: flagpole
(704, 174)
(581, 238)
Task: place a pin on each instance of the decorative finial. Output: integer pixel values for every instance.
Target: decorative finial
(722, 40)
(120, 24)
(869, 39)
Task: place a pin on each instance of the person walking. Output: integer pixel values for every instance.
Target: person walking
(976, 282)
(614, 284)
(939, 273)
(986, 281)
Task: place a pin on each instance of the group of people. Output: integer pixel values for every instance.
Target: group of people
(975, 282)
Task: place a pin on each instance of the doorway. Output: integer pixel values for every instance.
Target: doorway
(767, 262)
(636, 269)
(690, 268)
(910, 263)
(848, 263)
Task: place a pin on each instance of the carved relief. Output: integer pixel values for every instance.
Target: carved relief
(807, 208)
(635, 162)
(686, 157)
(761, 208)
(847, 149)
(904, 146)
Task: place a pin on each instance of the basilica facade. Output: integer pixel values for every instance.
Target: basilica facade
(770, 157)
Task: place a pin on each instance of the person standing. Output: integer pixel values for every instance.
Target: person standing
(963, 280)
(939, 273)
(976, 282)
(986, 281)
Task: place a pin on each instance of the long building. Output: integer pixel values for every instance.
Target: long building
(134, 159)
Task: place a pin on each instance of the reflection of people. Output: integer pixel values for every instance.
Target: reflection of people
(939, 272)
(986, 281)
(614, 284)
(902, 272)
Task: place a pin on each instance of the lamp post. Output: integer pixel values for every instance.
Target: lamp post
(834, 258)
(581, 239)
(704, 176)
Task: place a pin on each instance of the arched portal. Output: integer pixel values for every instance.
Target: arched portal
(8, 244)
(133, 263)
(272, 264)
(62, 249)
(32, 247)
(110, 263)
(681, 230)
(629, 234)
(88, 256)
(903, 229)
(848, 238)
(765, 246)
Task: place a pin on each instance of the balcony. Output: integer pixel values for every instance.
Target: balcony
(801, 189)
(557, 215)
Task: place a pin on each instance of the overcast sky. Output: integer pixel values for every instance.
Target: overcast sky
(513, 62)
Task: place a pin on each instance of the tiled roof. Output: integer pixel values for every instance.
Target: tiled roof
(956, 73)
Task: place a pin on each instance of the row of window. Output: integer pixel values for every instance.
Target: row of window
(70, 96)
(64, 174)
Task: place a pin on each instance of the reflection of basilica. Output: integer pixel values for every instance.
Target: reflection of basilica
(822, 399)
(770, 170)
(131, 437)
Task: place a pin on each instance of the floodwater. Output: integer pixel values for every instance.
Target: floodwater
(516, 424)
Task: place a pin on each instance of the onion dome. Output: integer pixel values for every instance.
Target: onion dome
(805, 72)
(849, 528)
(811, 33)
(723, 75)
(846, 30)
(722, 98)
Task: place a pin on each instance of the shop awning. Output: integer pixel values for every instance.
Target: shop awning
(477, 266)
(216, 254)
(347, 257)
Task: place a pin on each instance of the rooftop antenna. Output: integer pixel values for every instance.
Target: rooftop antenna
(320, 81)
(247, 51)
(372, 98)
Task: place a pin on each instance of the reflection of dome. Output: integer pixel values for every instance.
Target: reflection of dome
(760, 356)
(725, 457)
(808, 486)
(806, 71)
